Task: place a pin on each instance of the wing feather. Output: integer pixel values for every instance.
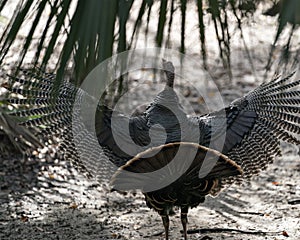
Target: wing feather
(257, 122)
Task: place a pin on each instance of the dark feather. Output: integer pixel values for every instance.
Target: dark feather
(251, 127)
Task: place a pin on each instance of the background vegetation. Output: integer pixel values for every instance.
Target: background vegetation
(84, 33)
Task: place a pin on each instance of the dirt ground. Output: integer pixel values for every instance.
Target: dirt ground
(45, 198)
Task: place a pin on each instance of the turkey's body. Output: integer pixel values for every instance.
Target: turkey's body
(251, 128)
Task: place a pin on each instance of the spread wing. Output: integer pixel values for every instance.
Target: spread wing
(86, 140)
(92, 135)
(256, 123)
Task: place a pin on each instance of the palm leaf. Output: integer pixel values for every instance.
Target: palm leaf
(89, 29)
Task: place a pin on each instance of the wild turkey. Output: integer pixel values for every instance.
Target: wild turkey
(175, 159)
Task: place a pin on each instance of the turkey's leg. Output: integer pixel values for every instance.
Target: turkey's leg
(184, 212)
(165, 219)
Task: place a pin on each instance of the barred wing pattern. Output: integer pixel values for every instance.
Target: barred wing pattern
(252, 126)
(255, 123)
(258, 121)
(58, 111)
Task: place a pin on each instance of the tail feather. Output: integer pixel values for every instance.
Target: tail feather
(157, 158)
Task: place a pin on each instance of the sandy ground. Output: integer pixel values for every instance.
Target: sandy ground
(49, 200)
(45, 198)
